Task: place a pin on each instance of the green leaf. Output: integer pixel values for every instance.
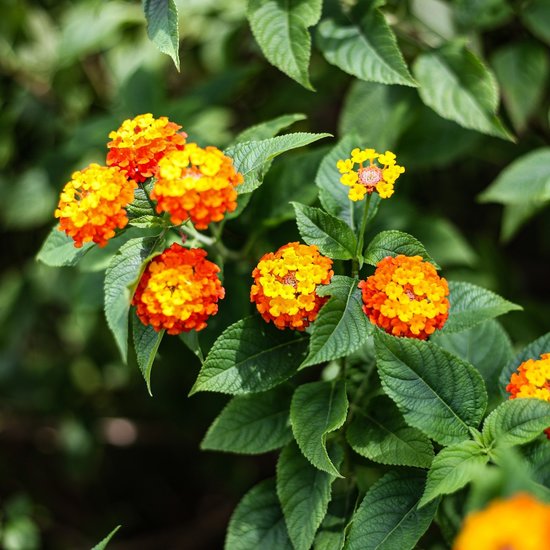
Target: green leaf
(533, 351)
(147, 221)
(364, 47)
(304, 493)
(438, 393)
(377, 114)
(471, 305)
(252, 424)
(537, 454)
(516, 422)
(331, 235)
(392, 243)
(333, 194)
(526, 180)
(522, 70)
(146, 343)
(386, 438)
(317, 409)
(452, 469)
(536, 17)
(162, 27)
(341, 326)
(191, 340)
(121, 278)
(250, 356)
(281, 30)
(59, 250)
(268, 129)
(459, 87)
(141, 206)
(103, 544)
(486, 346)
(253, 158)
(388, 517)
(514, 216)
(258, 521)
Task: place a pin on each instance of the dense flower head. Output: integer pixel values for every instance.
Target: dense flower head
(197, 184)
(178, 291)
(532, 380)
(380, 174)
(517, 523)
(92, 205)
(138, 145)
(285, 283)
(406, 297)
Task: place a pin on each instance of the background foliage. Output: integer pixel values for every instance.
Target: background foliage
(84, 447)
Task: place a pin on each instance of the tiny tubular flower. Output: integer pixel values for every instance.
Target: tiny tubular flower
(517, 523)
(197, 184)
(379, 176)
(406, 297)
(285, 284)
(92, 205)
(532, 380)
(138, 145)
(178, 291)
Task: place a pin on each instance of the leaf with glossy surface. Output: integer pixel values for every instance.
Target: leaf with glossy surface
(389, 517)
(59, 250)
(453, 468)
(317, 409)
(250, 356)
(331, 235)
(268, 129)
(341, 326)
(438, 393)
(459, 87)
(121, 278)
(146, 344)
(472, 304)
(526, 180)
(516, 422)
(258, 521)
(392, 243)
(533, 351)
(162, 27)
(281, 29)
(304, 493)
(365, 47)
(252, 424)
(387, 439)
(253, 158)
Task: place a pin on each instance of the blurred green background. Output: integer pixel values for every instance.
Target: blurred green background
(82, 446)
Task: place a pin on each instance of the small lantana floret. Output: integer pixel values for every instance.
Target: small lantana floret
(178, 291)
(406, 297)
(285, 284)
(380, 174)
(197, 184)
(532, 380)
(139, 144)
(92, 205)
(517, 523)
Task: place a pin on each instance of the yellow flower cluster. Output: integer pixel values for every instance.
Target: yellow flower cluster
(518, 523)
(380, 174)
(406, 297)
(285, 283)
(92, 205)
(196, 183)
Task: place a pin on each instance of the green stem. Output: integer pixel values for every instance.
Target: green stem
(361, 237)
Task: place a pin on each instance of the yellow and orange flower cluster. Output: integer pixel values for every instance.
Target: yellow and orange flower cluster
(285, 284)
(517, 523)
(139, 144)
(197, 184)
(92, 205)
(178, 291)
(406, 297)
(532, 380)
(380, 174)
